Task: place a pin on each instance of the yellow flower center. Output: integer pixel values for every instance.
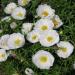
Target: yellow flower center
(55, 23)
(44, 27)
(24, 2)
(20, 14)
(45, 13)
(49, 39)
(2, 55)
(17, 42)
(43, 59)
(63, 49)
(34, 37)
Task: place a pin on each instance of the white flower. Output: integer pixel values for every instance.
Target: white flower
(43, 59)
(13, 25)
(7, 19)
(45, 11)
(3, 42)
(23, 2)
(43, 25)
(65, 49)
(16, 40)
(49, 38)
(57, 21)
(19, 13)
(33, 36)
(10, 7)
(29, 71)
(3, 55)
(26, 27)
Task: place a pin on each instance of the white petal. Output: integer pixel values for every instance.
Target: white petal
(49, 38)
(3, 42)
(46, 65)
(29, 71)
(57, 22)
(69, 49)
(43, 25)
(16, 40)
(26, 27)
(10, 7)
(33, 36)
(19, 13)
(7, 19)
(45, 11)
(13, 25)
(3, 55)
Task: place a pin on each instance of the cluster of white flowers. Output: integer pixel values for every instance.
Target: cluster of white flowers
(13, 41)
(45, 33)
(42, 31)
(17, 12)
(8, 42)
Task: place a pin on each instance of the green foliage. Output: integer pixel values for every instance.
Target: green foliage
(17, 65)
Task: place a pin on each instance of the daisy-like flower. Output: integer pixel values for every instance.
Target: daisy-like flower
(23, 2)
(49, 38)
(10, 7)
(57, 21)
(26, 27)
(19, 13)
(33, 36)
(45, 11)
(3, 42)
(16, 40)
(43, 25)
(7, 19)
(13, 25)
(65, 49)
(29, 71)
(43, 59)
(3, 55)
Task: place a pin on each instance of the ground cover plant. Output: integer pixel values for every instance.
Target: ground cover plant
(21, 58)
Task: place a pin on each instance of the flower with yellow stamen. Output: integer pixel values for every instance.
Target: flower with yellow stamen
(43, 25)
(33, 36)
(3, 55)
(49, 38)
(45, 11)
(65, 49)
(16, 40)
(19, 13)
(23, 2)
(57, 21)
(43, 59)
